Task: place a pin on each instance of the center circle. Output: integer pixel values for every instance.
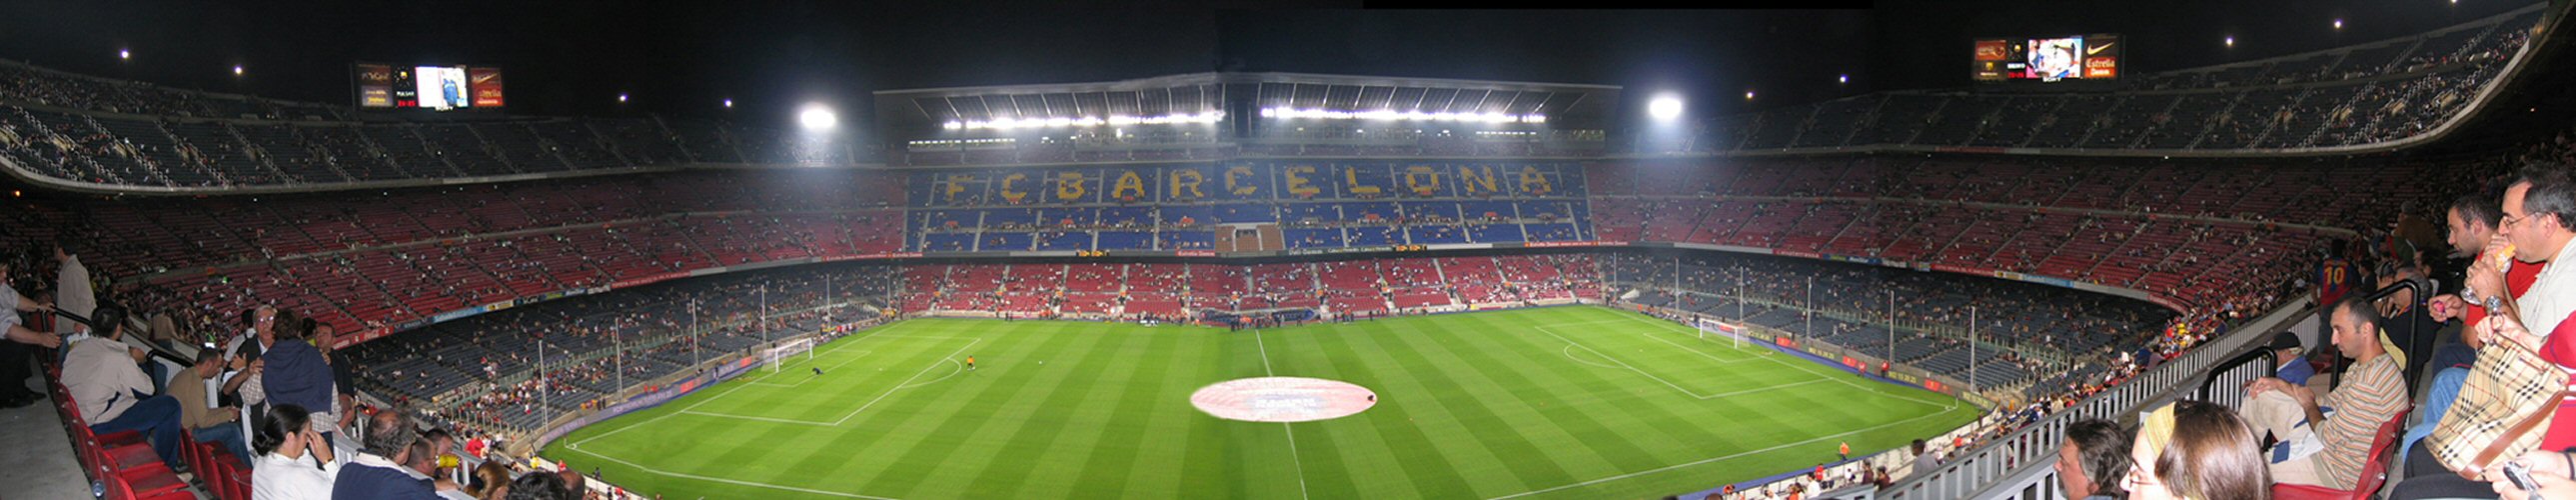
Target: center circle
(1283, 399)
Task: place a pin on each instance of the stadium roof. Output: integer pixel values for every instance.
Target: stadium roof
(1198, 94)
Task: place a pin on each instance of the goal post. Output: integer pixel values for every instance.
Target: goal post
(790, 350)
(1710, 328)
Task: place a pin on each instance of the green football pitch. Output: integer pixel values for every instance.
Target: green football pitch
(1564, 402)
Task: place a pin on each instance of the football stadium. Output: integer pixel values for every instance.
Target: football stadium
(647, 250)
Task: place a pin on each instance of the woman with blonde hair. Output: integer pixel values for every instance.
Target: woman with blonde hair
(2192, 450)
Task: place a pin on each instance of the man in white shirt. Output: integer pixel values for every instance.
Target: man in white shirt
(20, 346)
(2537, 230)
(294, 463)
(72, 292)
(114, 394)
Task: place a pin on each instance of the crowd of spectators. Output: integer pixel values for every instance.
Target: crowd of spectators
(2340, 98)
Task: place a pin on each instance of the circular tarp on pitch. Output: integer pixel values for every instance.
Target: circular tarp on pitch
(1283, 399)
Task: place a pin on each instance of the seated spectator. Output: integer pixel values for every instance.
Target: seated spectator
(2094, 457)
(574, 485)
(2317, 449)
(2292, 367)
(1924, 462)
(423, 464)
(113, 392)
(490, 481)
(201, 413)
(2195, 450)
(378, 472)
(283, 470)
(537, 486)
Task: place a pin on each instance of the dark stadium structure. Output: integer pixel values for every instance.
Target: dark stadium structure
(2046, 254)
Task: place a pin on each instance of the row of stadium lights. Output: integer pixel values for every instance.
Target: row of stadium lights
(1088, 121)
(1389, 114)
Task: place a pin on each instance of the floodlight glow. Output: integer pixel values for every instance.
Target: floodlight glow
(2231, 42)
(1748, 95)
(2338, 24)
(817, 118)
(621, 97)
(1842, 79)
(728, 103)
(1665, 108)
(123, 54)
(237, 70)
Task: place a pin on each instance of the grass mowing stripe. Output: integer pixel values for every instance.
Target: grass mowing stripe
(1038, 412)
(1522, 411)
(1381, 432)
(1493, 353)
(826, 447)
(1097, 381)
(1474, 403)
(1269, 470)
(1623, 408)
(1161, 464)
(1470, 400)
(987, 402)
(1133, 418)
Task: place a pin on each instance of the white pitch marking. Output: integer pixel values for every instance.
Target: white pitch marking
(1726, 457)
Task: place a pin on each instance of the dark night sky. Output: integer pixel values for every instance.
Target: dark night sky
(683, 58)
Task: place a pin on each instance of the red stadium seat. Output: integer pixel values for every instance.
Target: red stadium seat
(2373, 472)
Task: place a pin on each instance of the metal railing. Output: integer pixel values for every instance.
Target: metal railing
(2009, 462)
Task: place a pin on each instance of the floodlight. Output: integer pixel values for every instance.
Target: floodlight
(816, 117)
(1665, 108)
(123, 54)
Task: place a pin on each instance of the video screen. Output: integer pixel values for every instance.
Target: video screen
(427, 87)
(2087, 57)
(442, 88)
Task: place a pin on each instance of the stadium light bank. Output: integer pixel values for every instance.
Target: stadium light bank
(1393, 115)
(1088, 121)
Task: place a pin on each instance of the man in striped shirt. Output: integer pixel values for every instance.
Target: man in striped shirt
(2325, 440)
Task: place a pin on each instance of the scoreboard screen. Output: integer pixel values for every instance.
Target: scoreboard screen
(2083, 57)
(386, 86)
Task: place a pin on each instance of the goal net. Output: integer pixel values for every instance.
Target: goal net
(1712, 330)
(790, 350)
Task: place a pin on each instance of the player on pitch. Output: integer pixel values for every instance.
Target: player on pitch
(970, 363)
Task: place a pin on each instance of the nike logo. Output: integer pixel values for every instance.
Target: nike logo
(486, 77)
(2096, 49)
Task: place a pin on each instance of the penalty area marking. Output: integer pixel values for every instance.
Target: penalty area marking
(960, 369)
(1944, 411)
(907, 382)
(1804, 366)
(692, 409)
(800, 382)
(1569, 354)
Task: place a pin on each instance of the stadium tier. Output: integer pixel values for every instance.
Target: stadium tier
(2361, 97)
(1447, 288)
(110, 135)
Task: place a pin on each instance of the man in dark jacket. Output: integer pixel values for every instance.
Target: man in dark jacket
(378, 472)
